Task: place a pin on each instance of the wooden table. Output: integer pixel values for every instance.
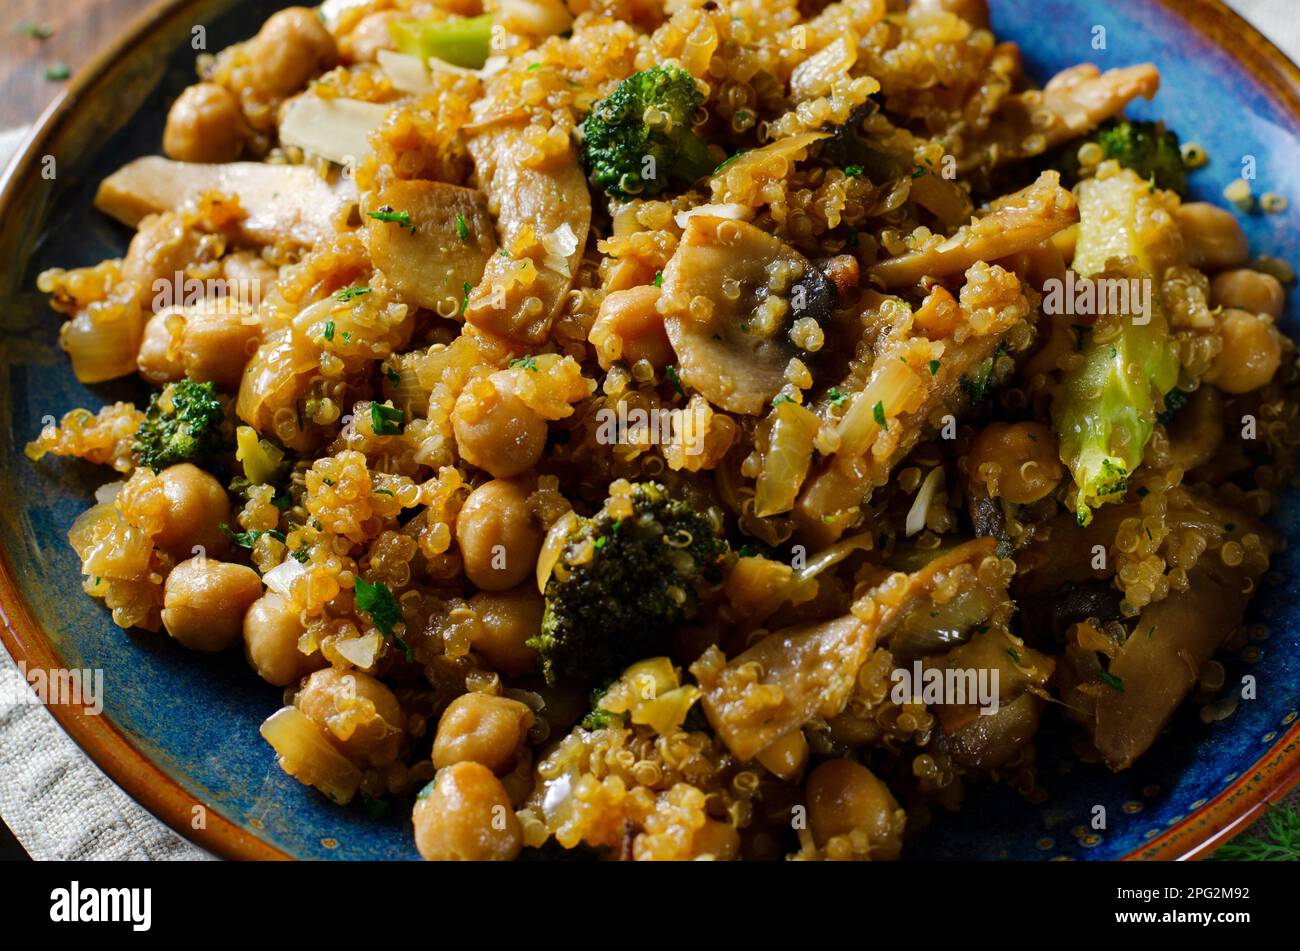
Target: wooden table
(81, 28)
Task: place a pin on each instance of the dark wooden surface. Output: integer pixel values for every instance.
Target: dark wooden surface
(81, 28)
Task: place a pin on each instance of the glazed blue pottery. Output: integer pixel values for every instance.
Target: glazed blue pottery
(195, 719)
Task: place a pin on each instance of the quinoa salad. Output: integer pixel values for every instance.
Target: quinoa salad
(679, 429)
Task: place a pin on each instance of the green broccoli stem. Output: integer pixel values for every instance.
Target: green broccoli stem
(694, 160)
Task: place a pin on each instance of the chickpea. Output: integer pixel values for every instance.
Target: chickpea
(292, 47)
(271, 632)
(496, 431)
(844, 796)
(360, 715)
(1252, 291)
(1213, 236)
(217, 342)
(1025, 454)
(204, 124)
(481, 728)
(1251, 354)
(465, 816)
(498, 535)
(160, 360)
(197, 507)
(506, 620)
(204, 601)
(718, 839)
(369, 36)
(633, 317)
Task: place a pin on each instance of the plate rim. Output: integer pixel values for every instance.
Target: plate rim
(1227, 814)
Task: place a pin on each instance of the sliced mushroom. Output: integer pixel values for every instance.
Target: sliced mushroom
(1075, 101)
(904, 396)
(801, 672)
(730, 296)
(543, 214)
(1015, 223)
(337, 129)
(444, 249)
(1163, 657)
(282, 202)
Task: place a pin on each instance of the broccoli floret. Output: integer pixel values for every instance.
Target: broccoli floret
(182, 424)
(1149, 148)
(639, 136)
(625, 578)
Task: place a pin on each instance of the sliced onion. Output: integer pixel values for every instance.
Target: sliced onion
(360, 651)
(826, 558)
(280, 579)
(405, 72)
(921, 504)
(553, 547)
(336, 129)
(307, 756)
(731, 211)
(786, 461)
(893, 386)
(108, 491)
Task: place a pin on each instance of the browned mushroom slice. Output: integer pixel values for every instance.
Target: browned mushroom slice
(793, 675)
(543, 214)
(1073, 102)
(782, 682)
(1126, 701)
(1016, 223)
(445, 246)
(730, 296)
(282, 202)
(905, 393)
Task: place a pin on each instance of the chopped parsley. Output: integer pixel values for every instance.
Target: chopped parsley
(386, 420)
(1013, 655)
(462, 229)
(37, 31)
(674, 380)
(386, 213)
(920, 172)
(528, 363)
(57, 71)
(375, 808)
(599, 719)
(393, 376)
(464, 300)
(249, 539)
(781, 398)
(378, 602)
(1112, 681)
(853, 171)
(878, 414)
(350, 293)
(328, 332)
(836, 397)
(934, 367)
(659, 278)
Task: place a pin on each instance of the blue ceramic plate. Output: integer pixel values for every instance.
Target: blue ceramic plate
(180, 729)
